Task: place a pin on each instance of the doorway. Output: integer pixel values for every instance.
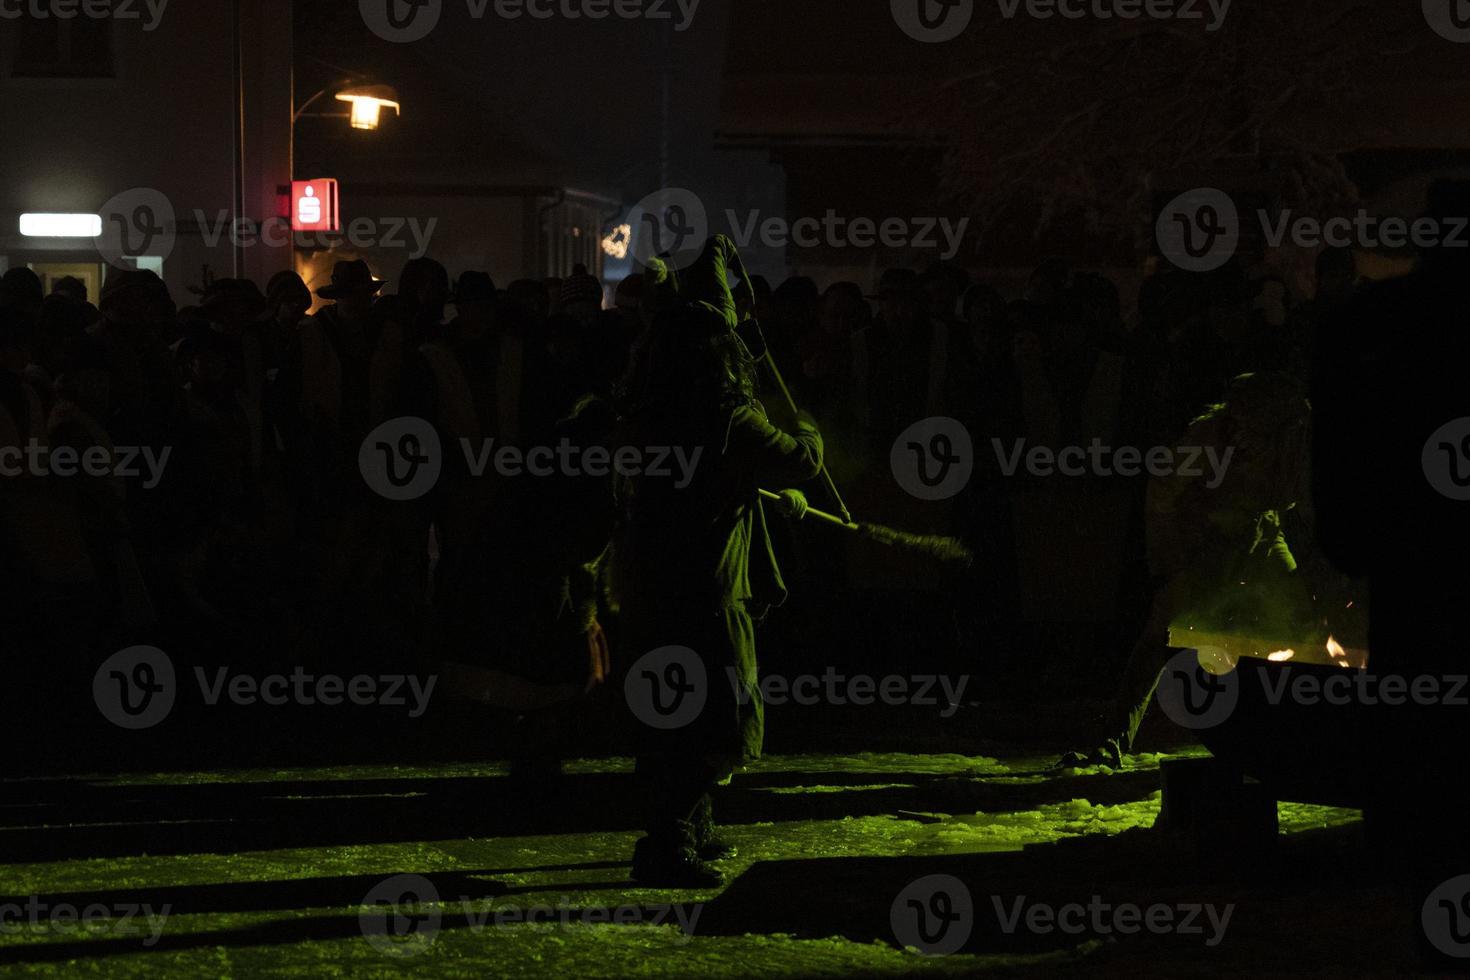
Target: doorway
(90, 274)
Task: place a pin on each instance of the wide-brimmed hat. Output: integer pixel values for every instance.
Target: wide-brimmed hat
(348, 278)
(473, 287)
(286, 285)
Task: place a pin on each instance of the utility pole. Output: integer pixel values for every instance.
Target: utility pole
(664, 172)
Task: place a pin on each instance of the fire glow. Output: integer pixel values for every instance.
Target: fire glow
(1278, 649)
(1339, 655)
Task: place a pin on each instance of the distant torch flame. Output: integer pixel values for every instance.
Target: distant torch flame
(1336, 651)
(1281, 655)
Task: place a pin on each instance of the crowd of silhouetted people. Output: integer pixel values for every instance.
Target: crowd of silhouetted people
(255, 535)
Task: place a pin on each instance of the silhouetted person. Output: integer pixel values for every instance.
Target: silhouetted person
(825, 353)
(906, 368)
(219, 499)
(240, 313)
(418, 306)
(793, 318)
(569, 348)
(287, 302)
(344, 378)
(62, 324)
(70, 287)
(1217, 553)
(696, 568)
(21, 291)
(1390, 494)
(43, 559)
(123, 600)
(145, 401)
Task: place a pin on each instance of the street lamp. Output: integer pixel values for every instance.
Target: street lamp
(367, 103)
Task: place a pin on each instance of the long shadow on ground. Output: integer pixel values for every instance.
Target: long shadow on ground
(52, 820)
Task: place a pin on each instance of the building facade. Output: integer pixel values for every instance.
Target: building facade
(99, 125)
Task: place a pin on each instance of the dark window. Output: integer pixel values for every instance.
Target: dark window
(77, 47)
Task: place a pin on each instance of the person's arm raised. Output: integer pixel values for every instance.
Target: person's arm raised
(777, 458)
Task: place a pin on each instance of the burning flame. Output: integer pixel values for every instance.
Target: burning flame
(1281, 655)
(1336, 651)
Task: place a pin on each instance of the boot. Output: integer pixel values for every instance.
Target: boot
(670, 860)
(1108, 752)
(707, 845)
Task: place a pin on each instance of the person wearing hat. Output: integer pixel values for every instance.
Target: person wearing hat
(423, 291)
(240, 312)
(343, 378)
(473, 298)
(287, 301)
(347, 358)
(695, 565)
(705, 284)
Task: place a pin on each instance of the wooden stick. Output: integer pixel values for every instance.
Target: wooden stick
(949, 551)
(820, 515)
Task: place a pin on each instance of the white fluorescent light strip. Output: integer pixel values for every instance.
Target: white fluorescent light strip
(61, 225)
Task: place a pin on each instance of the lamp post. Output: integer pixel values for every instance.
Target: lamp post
(367, 102)
(366, 99)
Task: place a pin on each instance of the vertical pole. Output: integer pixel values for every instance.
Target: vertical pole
(668, 99)
(238, 61)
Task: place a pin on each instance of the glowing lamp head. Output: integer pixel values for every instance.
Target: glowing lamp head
(368, 102)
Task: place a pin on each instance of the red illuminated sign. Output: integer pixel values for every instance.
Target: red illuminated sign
(314, 205)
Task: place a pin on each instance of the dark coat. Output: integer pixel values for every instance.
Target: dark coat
(696, 567)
